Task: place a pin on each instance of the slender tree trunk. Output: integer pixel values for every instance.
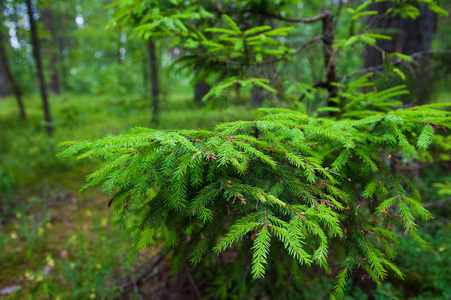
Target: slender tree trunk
(329, 55)
(47, 15)
(259, 94)
(154, 81)
(3, 81)
(200, 90)
(411, 36)
(146, 79)
(62, 46)
(9, 74)
(3, 76)
(62, 63)
(37, 57)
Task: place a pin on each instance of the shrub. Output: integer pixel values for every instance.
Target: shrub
(305, 184)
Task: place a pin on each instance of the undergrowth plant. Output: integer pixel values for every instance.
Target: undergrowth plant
(288, 177)
(307, 185)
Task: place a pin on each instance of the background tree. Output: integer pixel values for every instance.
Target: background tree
(411, 34)
(3, 81)
(6, 75)
(39, 68)
(48, 20)
(155, 85)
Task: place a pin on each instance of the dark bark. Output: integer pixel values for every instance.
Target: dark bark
(408, 37)
(37, 57)
(154, 81)
(3, 74)
(7, 70)
(329, 54)
(259, 94)
(200, 90)
(62, 46)
(47, 15)
(3, 81)
(361, 280)
(64, 74)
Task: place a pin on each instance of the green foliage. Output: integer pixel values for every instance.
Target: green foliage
(444, 188)
(288, 176)
(230, 48)
(352, 102)
(424, 278)
(408, 10)
(221, 89)
(284, 182)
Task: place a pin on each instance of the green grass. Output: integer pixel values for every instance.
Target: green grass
(55, 242)
(29, 155)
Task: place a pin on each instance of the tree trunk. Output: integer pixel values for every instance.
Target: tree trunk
(154, 82)
(257, 96)
(329, 55)
(3, 75)
(200, 90)
(411, 36)
(47, 15)
(7, 71)
(63, 50)
(3, 81)
(146, 80)
(37, 57)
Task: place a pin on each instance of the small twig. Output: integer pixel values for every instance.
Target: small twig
(319, 84)
(274, 16)
(303, 45)
(395, 62)
(299, 49)
(147, 271)
(193, 284)
(407, 228)
(324, 170)
(286, 19)
(270, 61)
(135, 286)
(437, 203)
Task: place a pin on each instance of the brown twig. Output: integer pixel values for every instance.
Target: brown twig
(193, 284)
(325, 169)
(437, 203)
(395, 62)
(299, 49)
(274, 16)
(286, 19)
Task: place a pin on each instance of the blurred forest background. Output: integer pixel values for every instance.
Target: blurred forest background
(70, 71)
